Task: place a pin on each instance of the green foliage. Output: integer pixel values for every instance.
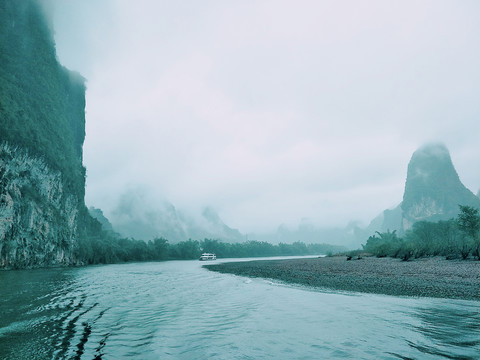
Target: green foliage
(469, 221)
(386, 244)
(159, 247)
(41, 103)
(261, 248)
(42, 113)
(107, 248)
(185, 250)
(469, 224)
(456, 238)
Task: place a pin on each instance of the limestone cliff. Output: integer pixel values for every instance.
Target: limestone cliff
(433, 192)
(42, 129)
(433, 189)
(38, 218)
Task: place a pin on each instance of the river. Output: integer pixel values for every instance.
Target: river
(179, 310)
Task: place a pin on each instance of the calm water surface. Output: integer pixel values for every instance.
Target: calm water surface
(178, 310)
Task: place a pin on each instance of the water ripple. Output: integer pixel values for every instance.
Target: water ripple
(178, 310)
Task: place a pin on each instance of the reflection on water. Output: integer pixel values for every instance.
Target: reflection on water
(179, 310)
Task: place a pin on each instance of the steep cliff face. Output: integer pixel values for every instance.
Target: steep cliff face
(433, 192)
(433, 189)
(42, 129)
(38, 219)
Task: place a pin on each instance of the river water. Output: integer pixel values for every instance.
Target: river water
(179, 310)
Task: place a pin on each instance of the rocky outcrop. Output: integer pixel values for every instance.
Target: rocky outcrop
(104, 222)
(433, 190)
(42, 128)
(38, 219)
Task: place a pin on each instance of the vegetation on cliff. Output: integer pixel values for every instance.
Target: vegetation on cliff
(41, 102)
(43, 218)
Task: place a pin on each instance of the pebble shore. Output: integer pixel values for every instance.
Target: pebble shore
(428, 277)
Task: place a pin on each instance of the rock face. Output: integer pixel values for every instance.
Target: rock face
(42, 128)
(390, 219)
(38, 219)
(433, 192)
(433, 189)
(104, 222)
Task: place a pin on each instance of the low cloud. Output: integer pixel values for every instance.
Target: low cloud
(272, 112)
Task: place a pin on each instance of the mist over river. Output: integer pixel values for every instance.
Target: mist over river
(179, 310)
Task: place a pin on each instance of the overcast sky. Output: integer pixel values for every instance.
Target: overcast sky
(272, 111)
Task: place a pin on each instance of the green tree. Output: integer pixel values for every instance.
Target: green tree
(386, 244)
(159, 248)
(185, 250)
(468, 222)
(449, 235)
(221, 249)
(426, 238)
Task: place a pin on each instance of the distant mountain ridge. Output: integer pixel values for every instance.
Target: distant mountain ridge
(137, 216)
(309, 233)
(433, 191)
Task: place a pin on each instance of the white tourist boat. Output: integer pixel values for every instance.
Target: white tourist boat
(208, 256)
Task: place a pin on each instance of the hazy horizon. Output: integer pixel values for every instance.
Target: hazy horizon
(271, 112)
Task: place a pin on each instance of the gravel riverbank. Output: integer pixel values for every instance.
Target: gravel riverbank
(430, 277)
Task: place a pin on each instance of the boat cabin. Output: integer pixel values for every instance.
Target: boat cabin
(208, 256)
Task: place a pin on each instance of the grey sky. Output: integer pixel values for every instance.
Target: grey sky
(272, 111)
